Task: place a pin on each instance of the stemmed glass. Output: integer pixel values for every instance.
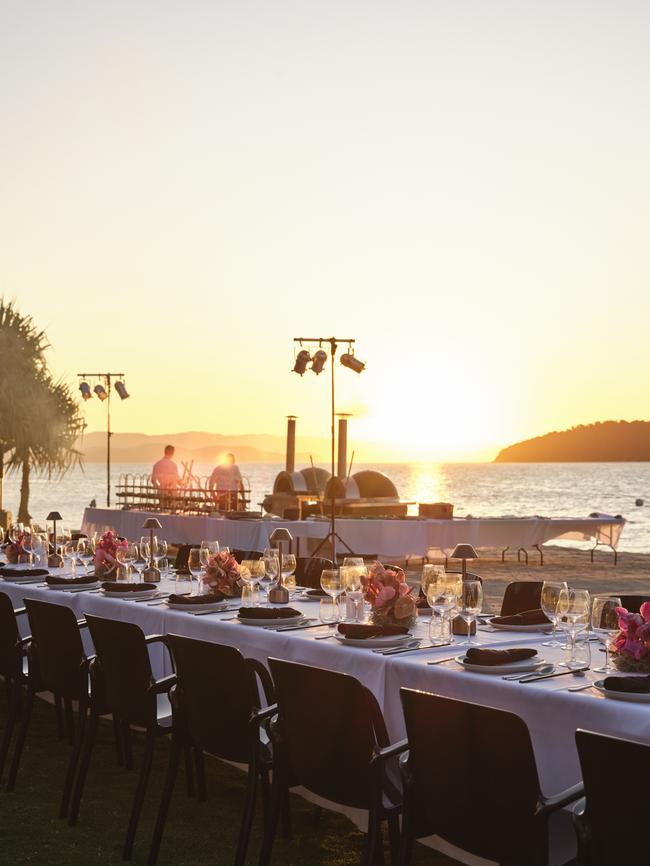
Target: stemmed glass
(352, 582)
(288, 568)
(330, 581)
(573, 611)
(247, 574)
(470, 605)
(128, 556)
(271, 567)
(159, 551)
(141, 557)
(431, 572)
(69, 551)
(604, 622)
(442, 596)
(195, 568)
(211, 546)
(84, 554)
(550, 596)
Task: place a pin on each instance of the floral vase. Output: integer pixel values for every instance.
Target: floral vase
(388, 618)
(628, 665)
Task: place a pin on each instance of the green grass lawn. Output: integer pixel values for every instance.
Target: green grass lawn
(197, 834)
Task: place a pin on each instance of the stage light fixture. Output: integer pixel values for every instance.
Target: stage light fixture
(86, 393)
(318, 361)
(302, 359)
(348, 360)
(120, 387)
(101, 392)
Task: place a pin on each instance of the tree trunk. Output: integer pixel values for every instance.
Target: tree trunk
(23, 511)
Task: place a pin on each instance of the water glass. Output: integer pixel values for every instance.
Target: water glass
(195, 568)
(351, 580)
(471, 603)
(247, 595)
(183, 583)
(578, 654)
(440, 631)
(604, 623)
(288, 568)
(573, 612)
(550, 596)
(328, 610)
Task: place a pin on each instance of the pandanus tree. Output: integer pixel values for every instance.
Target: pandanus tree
(39, 418)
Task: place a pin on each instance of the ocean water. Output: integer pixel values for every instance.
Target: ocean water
(479, 489)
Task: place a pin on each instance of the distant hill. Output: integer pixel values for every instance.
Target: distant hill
(197, 446)
(605, 441)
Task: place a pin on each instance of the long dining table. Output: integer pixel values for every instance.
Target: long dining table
(551, 712)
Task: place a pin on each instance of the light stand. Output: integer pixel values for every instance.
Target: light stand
(332, 536)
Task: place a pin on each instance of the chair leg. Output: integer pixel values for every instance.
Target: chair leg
(373, 839)
(405, 848)
(69, 720)
(20, 742)
(199, 764)
(58, 706)
(286, 816)
(73, 762)
(127, 746)
(12, 718)
(140, 791)
(189, 770)
(393, 837)
(165, 801)
(264, 784)
(270, 826)
(247, 817)
(119, 751)
(84, 763)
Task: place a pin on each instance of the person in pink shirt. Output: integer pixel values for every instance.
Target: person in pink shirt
(164, 474)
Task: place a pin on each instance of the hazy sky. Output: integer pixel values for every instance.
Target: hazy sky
(462, 186)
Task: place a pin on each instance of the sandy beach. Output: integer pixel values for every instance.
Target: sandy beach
(631, 575)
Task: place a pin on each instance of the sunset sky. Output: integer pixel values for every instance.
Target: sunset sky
(464, 187)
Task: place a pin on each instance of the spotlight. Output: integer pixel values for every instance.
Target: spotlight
(86, 393)
(120, 387)
(101, 391)
(302, 359)
(348, 360)
(318, 361)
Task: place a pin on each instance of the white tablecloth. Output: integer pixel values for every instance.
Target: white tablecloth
(383, 538)
(551, 713)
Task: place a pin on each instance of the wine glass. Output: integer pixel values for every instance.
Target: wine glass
(204, 556)
(288, 568)
(211, 546)
(195, 568)
(431, 572)
(69, 551)
(330, 581)
(442, 596)
(261, 576)
(573, 611)
(471, 603)
(351, 581)
(159, 551)
(141, 560)
(550, 596)
(271, 566)
(604, 622)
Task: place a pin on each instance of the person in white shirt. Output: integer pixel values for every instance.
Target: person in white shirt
(226, 484)
(164, 474)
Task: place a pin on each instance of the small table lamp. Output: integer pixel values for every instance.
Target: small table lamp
(151, 574)
(279, 594)
(54, 560)
(464, 552)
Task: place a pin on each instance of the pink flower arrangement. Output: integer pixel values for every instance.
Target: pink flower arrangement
(222, 574)
(106, 551)
(389, 595)
(633, 640)
(16, 547)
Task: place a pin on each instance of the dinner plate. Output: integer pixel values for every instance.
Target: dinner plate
(510, 668)
(631, 697)
(286, 620)
(370, 642)
(143, 593)
(210, 605)
(540, 627)
(71, 587)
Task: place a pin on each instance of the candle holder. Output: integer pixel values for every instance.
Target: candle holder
(151, 574)
(54, 559)
(464, 552)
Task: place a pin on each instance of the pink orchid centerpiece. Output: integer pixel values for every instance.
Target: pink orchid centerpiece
(389, 596)
(106, 552)
(631, 647)
(222, 575)
(17, 547)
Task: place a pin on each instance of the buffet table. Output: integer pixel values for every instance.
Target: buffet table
(550, 711)
(388, 537)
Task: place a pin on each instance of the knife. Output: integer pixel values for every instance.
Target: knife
(534, 679)
(440, 661)
(295, 627)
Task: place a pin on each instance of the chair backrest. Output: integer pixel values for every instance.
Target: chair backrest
(246, 554)
(56, 651)
(615, 774)
(521, 595)
(474, 778)
(309, 570)
(632, 603)
(125, 668)
(10, 664)
(328, 726)
(215, 694)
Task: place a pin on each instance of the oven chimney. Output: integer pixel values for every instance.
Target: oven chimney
(343, 447)
(290, 463)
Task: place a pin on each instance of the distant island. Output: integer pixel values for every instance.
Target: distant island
(605, 441)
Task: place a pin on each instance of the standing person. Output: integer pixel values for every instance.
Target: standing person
(226, 484)
(164, 474)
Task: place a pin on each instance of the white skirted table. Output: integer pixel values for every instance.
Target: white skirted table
(550, 711)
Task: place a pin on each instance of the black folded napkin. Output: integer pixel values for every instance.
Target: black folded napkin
(267, 612)
(360, 631)
(526, 617)
(490, 657)
(119, 586)
(189, 600)
(52, 580)
(316, 593)
(632, 685)
(23, 572)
